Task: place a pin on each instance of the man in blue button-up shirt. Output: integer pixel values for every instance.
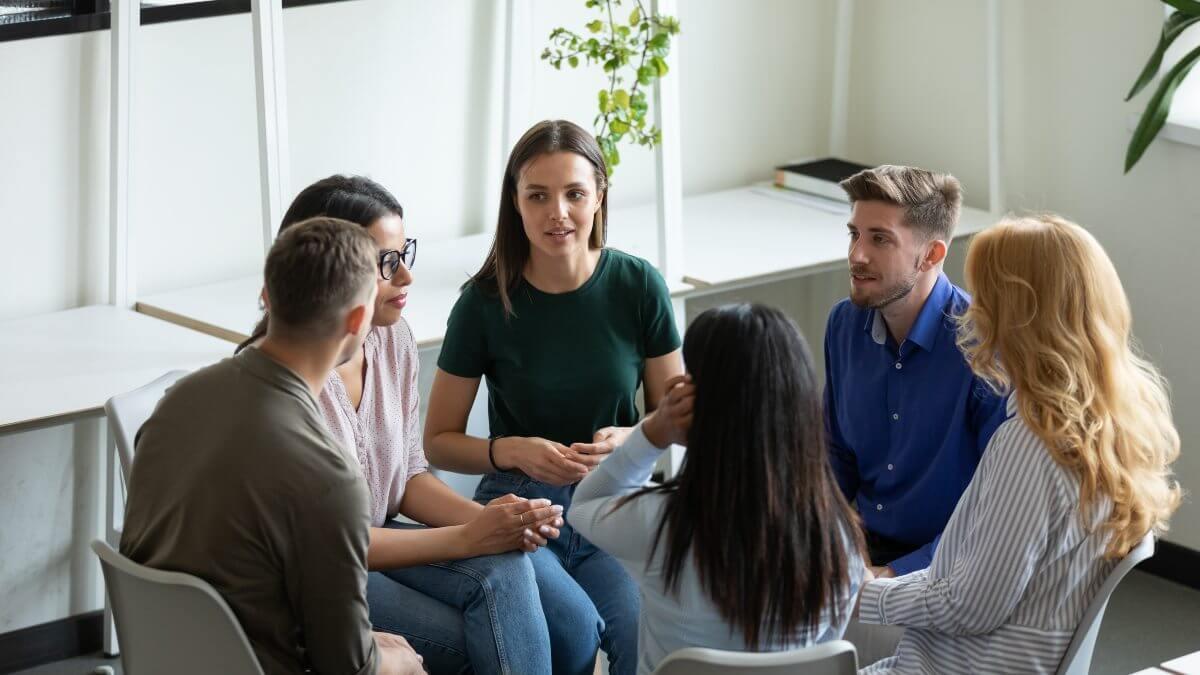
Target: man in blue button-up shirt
(907, 422)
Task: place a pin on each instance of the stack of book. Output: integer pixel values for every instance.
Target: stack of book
(819, 177)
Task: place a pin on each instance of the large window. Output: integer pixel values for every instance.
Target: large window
(34, 18)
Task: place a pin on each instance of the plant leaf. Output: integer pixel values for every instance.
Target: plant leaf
(1155, 115)
(660, 65)
(635, 17)
(595, 26)
(1174, 26)
(1189, 6)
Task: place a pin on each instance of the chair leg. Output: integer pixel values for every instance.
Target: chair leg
(113, 507)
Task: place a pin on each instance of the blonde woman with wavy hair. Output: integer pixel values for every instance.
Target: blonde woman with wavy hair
(1076, 477)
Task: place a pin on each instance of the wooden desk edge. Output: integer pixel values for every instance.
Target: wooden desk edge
(233, 336)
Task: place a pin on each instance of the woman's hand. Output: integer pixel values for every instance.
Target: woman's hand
(509, 523)
(540, 459)
(603, 443)
(670, 422)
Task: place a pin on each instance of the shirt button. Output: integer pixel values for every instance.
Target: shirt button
(879, 507)
(890, 467)
(899, 365)
(895, 416)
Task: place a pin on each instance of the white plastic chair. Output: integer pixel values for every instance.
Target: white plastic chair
(829, 658)
(1078, 659)
(126, 413)
(170, 622)
(129, 411)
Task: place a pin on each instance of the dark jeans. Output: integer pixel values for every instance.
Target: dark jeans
(589, 580)
(482, 614)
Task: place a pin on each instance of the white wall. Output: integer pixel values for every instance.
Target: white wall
(918, 96)
(400, 91)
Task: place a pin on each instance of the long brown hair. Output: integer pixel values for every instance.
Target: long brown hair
(757, 446)
(357, 199)
(1049, 320)
(505, 263)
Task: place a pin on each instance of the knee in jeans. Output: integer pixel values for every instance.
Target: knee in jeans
(508, 570)
(575, 622)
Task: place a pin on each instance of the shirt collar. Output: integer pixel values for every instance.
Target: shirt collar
(926, 328)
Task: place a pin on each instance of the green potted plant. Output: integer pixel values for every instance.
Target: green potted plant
(1186, 14)
(632, 49)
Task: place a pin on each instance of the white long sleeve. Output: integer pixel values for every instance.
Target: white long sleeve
(627, 534)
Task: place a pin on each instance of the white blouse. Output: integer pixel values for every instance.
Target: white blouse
(384, 433)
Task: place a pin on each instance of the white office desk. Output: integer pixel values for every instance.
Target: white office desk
(229, 310)
(732, 239)
(63, 366)
(756, 235)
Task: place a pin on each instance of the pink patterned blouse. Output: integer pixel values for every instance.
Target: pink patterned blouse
(384, 432)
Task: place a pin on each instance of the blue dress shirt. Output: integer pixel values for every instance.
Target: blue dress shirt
(906, 424)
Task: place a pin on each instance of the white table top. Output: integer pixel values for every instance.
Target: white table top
(753, 235)
(63, 366)
(229, 309)
(733, 238)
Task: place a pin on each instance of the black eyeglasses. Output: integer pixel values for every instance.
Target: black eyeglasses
(389, 260)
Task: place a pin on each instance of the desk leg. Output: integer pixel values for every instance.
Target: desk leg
(114, 509)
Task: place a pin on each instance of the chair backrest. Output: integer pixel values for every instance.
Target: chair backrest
(170, 622)
(830, 658)
(127, 413)
(1078, 659)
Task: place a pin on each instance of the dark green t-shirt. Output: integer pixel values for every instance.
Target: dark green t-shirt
(565, 364)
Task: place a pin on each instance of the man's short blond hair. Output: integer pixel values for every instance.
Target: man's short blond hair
(932, 201)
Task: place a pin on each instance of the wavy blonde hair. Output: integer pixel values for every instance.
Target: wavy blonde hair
(1050, 321)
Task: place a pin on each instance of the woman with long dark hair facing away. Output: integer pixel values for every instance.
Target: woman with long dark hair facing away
(458, 586)
(565, 330)
(751, 546)
(1069, 484)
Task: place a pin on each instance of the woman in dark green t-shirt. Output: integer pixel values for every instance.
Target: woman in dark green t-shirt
(565, 330)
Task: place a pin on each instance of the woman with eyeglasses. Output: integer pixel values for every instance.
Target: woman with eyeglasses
(565, 330)
(457, 585)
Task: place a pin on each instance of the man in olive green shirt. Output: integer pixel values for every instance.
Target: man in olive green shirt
(236, 480)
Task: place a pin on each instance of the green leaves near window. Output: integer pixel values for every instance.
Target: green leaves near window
(1186, 14)
(633, 51)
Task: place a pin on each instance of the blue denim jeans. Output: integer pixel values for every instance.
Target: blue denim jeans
(584, 579)
(488, 614)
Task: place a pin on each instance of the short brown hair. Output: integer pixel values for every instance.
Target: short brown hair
(316, 270)
(932, 201)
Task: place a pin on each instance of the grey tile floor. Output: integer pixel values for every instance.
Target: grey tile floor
(1149, 620)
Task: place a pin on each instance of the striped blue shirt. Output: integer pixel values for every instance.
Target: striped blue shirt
(1012, 577)
(906, 423)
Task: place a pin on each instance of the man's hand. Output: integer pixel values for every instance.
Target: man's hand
(396, 656)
